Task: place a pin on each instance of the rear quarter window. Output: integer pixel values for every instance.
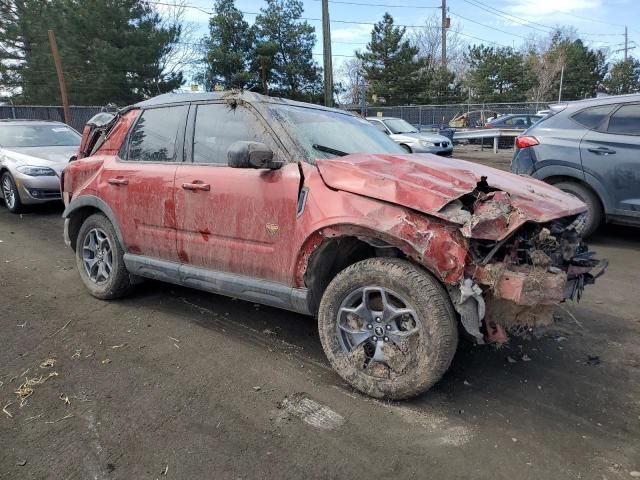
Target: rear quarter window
(625, 121)
(593, 117)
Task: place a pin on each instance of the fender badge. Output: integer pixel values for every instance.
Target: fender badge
(272, 228)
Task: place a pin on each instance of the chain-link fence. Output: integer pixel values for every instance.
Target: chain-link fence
(437, 115)
(79, 115)
(418, 115)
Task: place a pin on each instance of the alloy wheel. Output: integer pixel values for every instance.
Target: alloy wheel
(97, 256)
(375, 328)
(8, 193)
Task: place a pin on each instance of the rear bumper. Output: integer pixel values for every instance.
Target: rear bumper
(523, 161)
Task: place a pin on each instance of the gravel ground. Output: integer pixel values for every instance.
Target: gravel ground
(174, 383)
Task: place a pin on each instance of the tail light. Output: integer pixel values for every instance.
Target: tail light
(488, 125)
(526, 141)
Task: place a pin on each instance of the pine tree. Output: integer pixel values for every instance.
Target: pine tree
(497, 74)
(584, 69)
(294, 73)
(624, 77)
(112, 51)
(390, 64)
(229, 49)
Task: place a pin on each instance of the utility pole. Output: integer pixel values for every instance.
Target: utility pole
(444, 33)
(626, 43)
(63, 88)
(561, 80)
(326, 50)
(363, 97)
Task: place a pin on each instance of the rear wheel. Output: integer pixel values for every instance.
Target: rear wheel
(99, 257)
(10, 193)
(594, 207)
(388, 328)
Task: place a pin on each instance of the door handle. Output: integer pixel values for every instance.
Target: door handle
(118, 181)
(602, 151)
(197, 185)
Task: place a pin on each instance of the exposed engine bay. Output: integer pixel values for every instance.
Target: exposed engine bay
(514, 284)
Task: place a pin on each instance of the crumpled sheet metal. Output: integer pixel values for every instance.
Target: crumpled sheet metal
(433, 185)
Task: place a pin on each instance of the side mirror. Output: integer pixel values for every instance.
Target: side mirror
(244, 154)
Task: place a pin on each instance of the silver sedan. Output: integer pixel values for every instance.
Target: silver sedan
(32, 157)
(409, 138)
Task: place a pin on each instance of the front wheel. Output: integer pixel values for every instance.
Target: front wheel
(99, 257)
(388, 328)
(406, 148)
(10, 193)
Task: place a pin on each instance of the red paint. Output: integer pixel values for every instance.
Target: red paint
(247, 222)
(427, 183)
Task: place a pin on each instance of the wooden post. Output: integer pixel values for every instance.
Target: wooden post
(444, 33)
(326, 52)
(63, 88)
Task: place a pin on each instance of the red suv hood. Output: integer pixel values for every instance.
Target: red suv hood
(433, 185)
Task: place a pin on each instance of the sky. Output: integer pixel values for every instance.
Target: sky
(494, 22)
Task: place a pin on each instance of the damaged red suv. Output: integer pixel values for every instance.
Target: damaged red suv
(313, 210)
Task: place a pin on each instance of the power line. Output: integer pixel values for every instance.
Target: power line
(503, 14)
(332, 21)
(310, 19)
(527, 23)
(486, 26)
(386, 5)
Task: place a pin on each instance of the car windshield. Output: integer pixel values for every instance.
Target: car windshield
(327, 134)
(398, 125)
(52, 135)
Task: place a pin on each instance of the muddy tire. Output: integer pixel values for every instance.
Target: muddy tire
(594, 206)
(10, 193)
(388, 328)
(99, 258)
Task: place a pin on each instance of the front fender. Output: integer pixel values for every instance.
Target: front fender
(432, 243)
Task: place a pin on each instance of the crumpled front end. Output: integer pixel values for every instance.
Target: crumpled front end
(514, 284)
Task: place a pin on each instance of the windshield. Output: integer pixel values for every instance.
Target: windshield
(53, 135)
(326, 134)
(397, 125)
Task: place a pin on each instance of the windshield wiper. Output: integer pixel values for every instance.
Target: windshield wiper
(330, 150)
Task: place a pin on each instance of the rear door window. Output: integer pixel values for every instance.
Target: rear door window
(593, 117)
(625, 121)
(156, 135)
(218, 126)
(516, 122)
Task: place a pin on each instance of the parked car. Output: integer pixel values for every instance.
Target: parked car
(513, 121)
(314, 210)
(32, 156)
(410, 139)
(590, 149)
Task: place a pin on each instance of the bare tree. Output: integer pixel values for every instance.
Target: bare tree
(428, 41)
(350, 76)
(186, 55)
(545, 68)
(543, 65)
